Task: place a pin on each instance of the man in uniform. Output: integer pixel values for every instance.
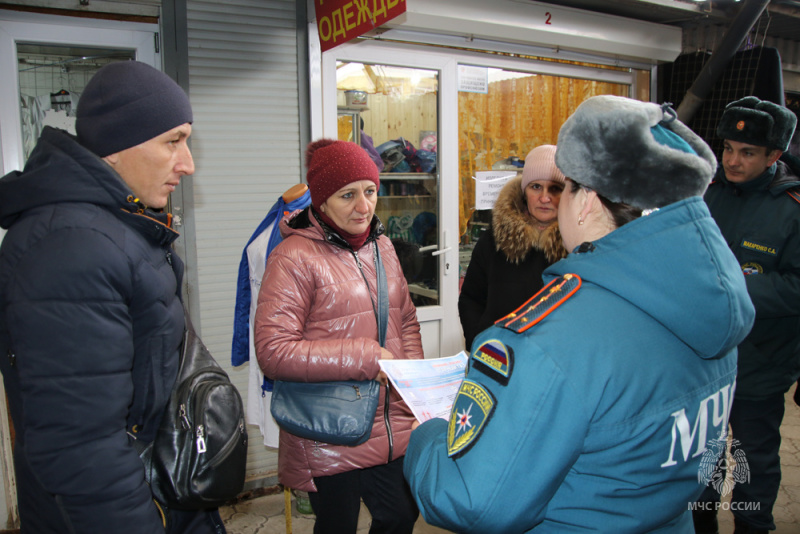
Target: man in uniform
(755, 200)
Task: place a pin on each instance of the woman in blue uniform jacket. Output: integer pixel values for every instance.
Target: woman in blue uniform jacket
(601, 402)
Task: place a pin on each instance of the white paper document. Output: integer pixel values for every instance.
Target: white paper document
(488, 185)
(429, 387)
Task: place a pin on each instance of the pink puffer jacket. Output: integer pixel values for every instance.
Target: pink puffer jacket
(315, 322)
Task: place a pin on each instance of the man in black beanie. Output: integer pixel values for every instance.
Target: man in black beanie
(755, 200)
(91, 320)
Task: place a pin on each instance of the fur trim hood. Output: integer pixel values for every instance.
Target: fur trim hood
(514, 233)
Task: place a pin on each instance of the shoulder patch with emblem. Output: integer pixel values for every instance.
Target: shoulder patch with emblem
(495, 359)
(472, 408)
(541, 304)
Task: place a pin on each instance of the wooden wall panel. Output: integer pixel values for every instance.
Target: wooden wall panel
(515, 116)
(389, 117)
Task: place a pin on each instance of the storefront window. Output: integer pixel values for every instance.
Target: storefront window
(392, 112)
(498, 126)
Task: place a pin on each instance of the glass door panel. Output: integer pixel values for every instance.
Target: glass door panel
(497, 128)
(393, 113)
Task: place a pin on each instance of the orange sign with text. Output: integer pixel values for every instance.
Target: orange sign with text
(339, 21)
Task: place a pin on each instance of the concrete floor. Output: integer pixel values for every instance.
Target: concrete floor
(265, 515)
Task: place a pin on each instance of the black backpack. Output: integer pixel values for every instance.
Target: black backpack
(198, 457)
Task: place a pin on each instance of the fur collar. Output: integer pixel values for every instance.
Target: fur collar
(514, 233)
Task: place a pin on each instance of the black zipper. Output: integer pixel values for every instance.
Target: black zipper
(386, 421)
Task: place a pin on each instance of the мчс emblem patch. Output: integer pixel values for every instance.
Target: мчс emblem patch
(494, 359)
(473, 406)
(541, 304)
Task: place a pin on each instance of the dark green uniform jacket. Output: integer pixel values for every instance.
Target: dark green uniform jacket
(760, 220)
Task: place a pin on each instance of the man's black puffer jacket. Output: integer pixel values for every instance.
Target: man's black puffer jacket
(90, 329)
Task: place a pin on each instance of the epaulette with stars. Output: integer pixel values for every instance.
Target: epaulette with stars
(541, 304)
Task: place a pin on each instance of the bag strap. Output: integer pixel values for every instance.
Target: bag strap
(383, 295)
(382, 289)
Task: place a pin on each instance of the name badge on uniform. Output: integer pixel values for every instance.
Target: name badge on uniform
(472, 408)
(495, 359)
(759, 247)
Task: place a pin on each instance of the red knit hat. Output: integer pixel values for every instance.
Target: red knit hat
(333, 164)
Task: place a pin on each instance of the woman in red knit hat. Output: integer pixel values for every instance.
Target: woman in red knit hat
(317, 321)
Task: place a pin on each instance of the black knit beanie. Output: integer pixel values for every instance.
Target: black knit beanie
(127, 103)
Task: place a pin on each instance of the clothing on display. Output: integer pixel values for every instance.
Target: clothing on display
(251, 270)
(57, 110)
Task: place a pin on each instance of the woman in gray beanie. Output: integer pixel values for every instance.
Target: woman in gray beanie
(589, 408)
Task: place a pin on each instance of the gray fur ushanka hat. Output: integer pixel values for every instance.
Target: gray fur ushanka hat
(757, 122)
(634, 152)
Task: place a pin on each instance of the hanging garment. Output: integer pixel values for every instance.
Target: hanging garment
(251, 270)
(35, 109)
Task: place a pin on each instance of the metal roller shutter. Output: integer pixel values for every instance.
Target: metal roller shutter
(243, 77)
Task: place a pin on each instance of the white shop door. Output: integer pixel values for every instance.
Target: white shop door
(406, 95)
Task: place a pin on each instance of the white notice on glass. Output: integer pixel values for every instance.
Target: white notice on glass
(429, 387)
(488, 185)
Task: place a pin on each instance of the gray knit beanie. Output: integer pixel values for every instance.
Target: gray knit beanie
(127, 103)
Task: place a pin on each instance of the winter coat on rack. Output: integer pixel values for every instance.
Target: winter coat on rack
(315, 322)
(507, 263)
(251, 273)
